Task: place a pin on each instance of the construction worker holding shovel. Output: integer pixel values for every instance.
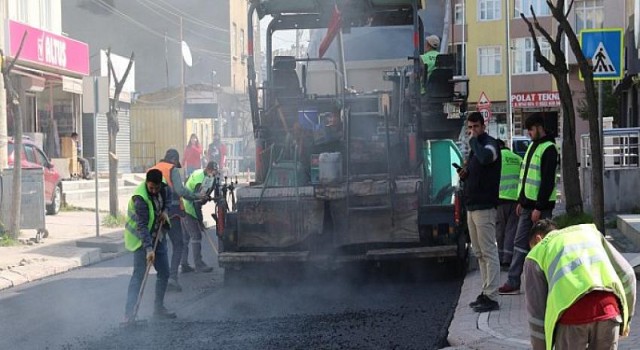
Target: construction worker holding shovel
(202, 182)
(146, 215)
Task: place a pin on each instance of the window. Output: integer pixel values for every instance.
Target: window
(489, 10)
(524, 61)
(41, 158)
(45, 14)
(490, 60)
(234, 46)
(30, 154)
(242, 55)
(458, 15)
(589, 14)
(540, 7)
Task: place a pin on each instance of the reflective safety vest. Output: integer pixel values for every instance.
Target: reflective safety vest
(131, 239)
(429, 60)
(533, 180)
(196, 178)
(575, 263)
(509, 175)
(165, 168)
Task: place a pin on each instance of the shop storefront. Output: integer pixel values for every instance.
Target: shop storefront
(48, 78)
(526, 103)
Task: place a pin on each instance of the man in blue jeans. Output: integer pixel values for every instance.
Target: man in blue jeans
(481, 177)
(146, 213)
(536, 195)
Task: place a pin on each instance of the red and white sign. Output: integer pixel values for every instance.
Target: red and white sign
(484, 106)
(535, 99)
(48, 49)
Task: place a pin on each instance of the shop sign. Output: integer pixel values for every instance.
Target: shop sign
(48, 49)
(535, 99)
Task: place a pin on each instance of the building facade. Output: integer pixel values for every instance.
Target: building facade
(48, 71)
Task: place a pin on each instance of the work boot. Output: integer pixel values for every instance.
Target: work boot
(161, 312)
(186, 268)
(197, 258)
(173, 285)
(479, 300)
(203, 268)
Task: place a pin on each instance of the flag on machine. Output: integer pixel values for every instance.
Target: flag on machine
(332, 30)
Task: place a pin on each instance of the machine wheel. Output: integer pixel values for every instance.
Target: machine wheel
(462, 258)
(56, 201)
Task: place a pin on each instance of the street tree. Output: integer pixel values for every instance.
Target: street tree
(559, 69)
(113, 126)
(14, 103)
(586, 69)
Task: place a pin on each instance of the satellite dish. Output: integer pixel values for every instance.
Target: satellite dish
(186, 54)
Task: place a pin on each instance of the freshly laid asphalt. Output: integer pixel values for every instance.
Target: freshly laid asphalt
(72, 243)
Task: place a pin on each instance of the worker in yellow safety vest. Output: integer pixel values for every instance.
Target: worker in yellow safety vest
(201, 181)
(581, 292)
(536, 194)
(147, 212)
(428, 58)
(506, 218)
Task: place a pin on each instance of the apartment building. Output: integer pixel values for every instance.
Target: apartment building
(629, 89)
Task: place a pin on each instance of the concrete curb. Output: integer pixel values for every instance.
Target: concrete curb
(38, 266)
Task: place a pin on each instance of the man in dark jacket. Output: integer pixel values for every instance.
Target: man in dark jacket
(536, 194)
(481, 178)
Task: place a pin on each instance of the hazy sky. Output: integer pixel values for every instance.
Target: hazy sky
(281, 40)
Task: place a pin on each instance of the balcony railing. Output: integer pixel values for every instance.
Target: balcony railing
(620, 148)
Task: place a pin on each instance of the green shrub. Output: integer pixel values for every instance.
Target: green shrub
(565, 220)
(7, 241)
(114, 221)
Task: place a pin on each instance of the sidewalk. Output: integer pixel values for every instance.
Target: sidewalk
(508, 327)
(71, 243)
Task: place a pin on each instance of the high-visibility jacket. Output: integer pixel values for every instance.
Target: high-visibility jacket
(575, 263)
(196, 178)
(534, 177)
(166, 168)
(509, 174)
(429, 60)
(131, 239)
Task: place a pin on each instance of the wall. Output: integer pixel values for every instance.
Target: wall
(618, 184)
(154, 129)
(238, 15)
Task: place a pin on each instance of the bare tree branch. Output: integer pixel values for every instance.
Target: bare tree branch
(544, 62)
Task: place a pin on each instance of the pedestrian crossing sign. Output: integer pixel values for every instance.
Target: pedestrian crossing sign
(604, 48)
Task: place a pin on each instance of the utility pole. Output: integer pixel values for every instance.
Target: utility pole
(4, 139)
(508, 67)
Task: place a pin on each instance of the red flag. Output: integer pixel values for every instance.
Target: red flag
(332, 30)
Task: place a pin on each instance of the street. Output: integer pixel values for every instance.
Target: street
(352, 308)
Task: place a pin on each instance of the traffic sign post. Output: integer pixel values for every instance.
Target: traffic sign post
(484, 106)
(604, 48)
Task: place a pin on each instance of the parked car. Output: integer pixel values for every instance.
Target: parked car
(520, 145)
(34, 157)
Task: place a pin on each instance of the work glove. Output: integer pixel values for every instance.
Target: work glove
(151, 256)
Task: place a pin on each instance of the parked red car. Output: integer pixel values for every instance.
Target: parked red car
(34, 157)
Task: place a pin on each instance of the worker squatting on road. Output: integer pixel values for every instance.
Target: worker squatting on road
(481, 178)
(581, 292)
(201, 181)
(146, 215)
(170, 168)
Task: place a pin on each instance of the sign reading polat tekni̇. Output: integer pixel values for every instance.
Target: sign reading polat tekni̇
(604, 48)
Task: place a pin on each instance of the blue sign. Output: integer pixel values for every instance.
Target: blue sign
(604, 47)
